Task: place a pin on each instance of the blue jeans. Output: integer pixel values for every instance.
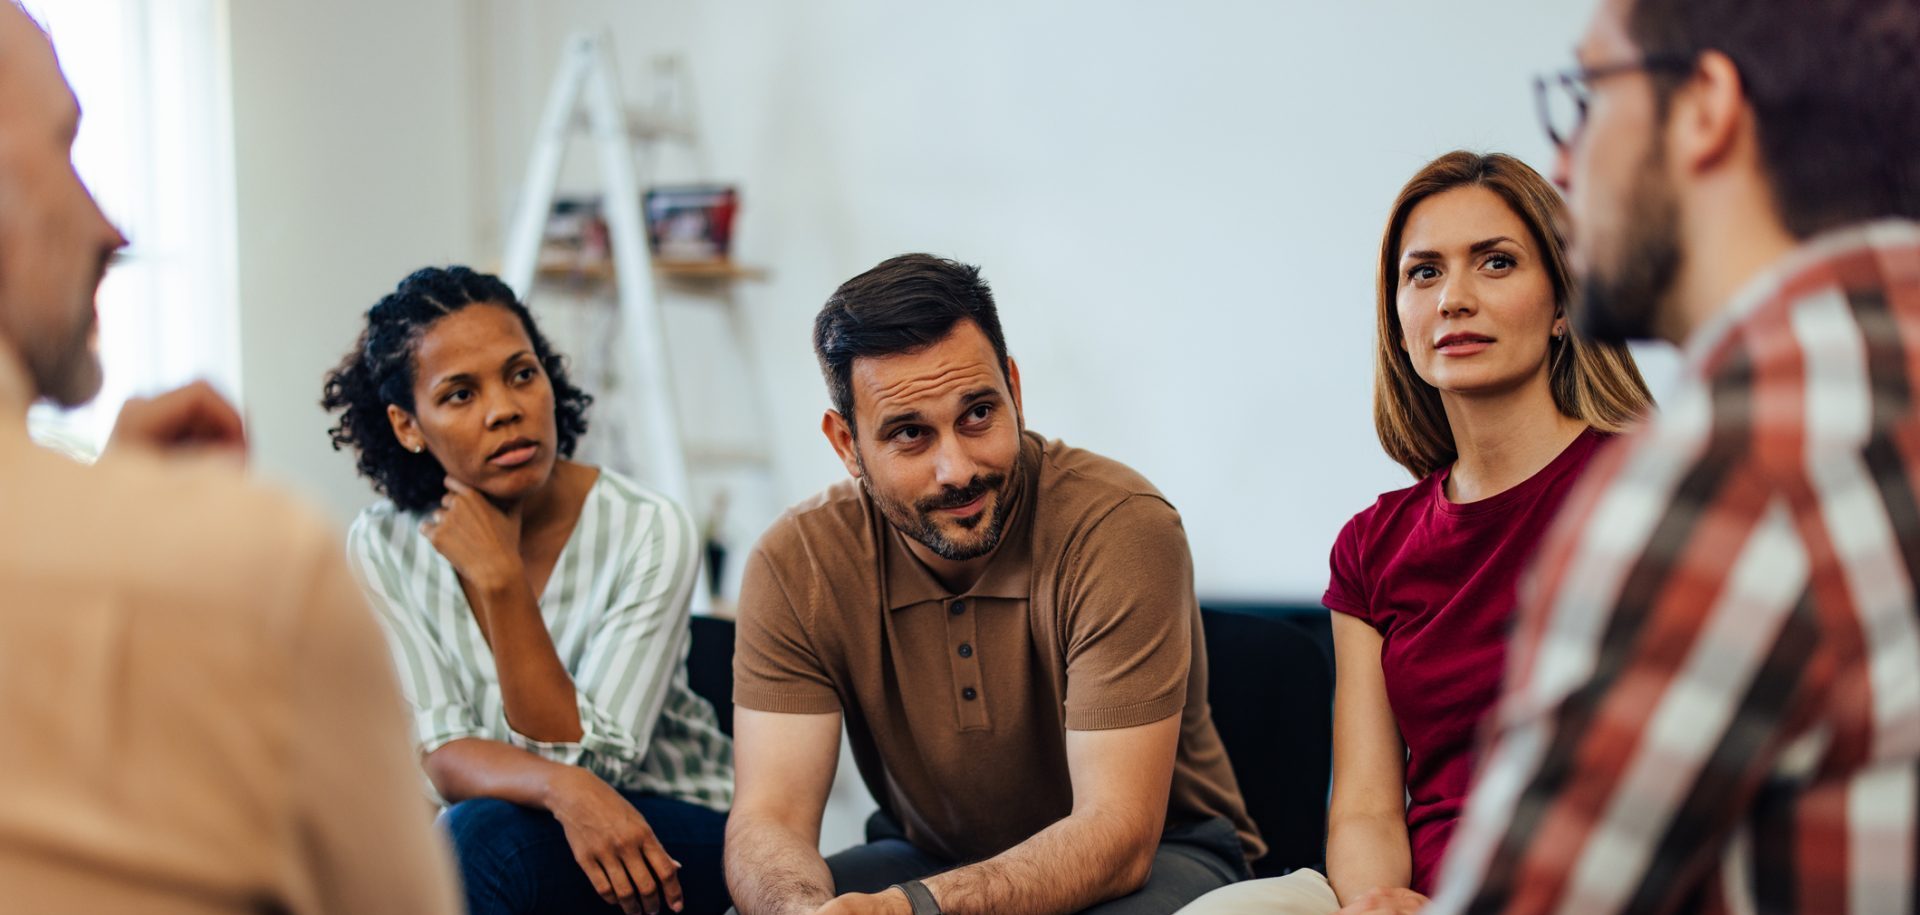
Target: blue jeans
(515, 860)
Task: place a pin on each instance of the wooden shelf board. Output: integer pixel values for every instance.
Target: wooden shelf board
(696, 271)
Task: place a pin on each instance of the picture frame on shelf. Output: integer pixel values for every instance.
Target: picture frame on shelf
(691, 223)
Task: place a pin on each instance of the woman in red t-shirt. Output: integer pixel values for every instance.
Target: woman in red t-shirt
(1484, 394)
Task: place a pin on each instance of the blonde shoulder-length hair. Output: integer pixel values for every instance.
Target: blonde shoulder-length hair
(1593, 382)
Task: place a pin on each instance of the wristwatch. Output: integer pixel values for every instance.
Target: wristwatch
(920, 897)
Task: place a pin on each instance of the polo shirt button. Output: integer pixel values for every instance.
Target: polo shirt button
(968, 694)
(958, 607)
(966, 650)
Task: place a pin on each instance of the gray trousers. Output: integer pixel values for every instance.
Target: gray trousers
(1192, 860)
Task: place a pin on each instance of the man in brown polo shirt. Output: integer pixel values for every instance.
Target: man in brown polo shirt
(1006, 625)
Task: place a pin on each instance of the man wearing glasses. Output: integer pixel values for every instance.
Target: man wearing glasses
(1713, 702)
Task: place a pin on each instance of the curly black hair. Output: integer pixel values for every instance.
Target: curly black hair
(379, 371)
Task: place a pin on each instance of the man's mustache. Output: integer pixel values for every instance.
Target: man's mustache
(956, 496)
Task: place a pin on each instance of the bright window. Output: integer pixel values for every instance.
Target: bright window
(155, 147)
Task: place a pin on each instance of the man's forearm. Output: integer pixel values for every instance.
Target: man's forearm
(1076, 863)
(539, 695)
(773, 871)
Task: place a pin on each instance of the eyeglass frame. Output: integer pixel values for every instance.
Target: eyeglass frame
(1577, 83)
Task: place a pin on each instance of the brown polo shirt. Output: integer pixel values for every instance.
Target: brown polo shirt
(957, 705)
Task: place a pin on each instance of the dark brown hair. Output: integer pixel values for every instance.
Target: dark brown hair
(903, 304)
(1835, 91)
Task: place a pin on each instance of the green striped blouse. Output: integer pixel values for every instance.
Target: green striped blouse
(616, 606)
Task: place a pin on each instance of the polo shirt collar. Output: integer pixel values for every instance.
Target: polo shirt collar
(1009, 573)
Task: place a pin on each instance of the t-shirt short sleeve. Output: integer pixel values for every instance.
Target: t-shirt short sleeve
(1130, 616)
(775, 667)
(1347, 590)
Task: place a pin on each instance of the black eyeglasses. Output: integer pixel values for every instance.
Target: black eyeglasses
(1562, 97)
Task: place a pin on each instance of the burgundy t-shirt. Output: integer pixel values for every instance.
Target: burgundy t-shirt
(1439, 581)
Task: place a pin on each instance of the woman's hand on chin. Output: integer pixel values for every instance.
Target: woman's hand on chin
(481, 541)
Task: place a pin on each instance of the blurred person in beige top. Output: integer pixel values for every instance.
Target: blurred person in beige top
(198, 713)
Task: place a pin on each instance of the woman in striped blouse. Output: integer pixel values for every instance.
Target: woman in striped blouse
(537, 611)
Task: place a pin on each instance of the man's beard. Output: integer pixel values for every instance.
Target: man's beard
(916, 520)
(1621, 301)
(69, 374)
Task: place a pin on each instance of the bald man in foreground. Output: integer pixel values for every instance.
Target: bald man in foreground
(198, 712)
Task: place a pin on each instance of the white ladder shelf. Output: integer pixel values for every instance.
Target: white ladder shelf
(586, 74)
(585, 93)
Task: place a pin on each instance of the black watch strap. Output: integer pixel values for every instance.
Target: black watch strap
(921, 898)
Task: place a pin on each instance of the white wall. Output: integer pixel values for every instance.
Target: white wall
(354, 165)
(1177, 204)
